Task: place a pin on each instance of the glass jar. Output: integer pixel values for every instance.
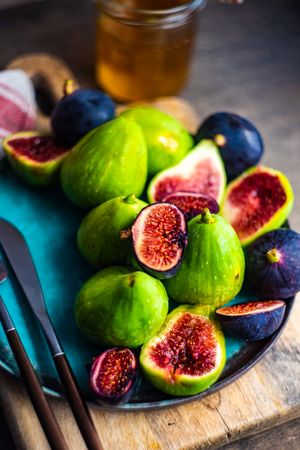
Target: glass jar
(144, 53)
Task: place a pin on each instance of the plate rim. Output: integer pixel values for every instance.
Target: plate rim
(176, 401)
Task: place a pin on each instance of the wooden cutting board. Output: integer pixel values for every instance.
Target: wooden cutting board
(266, 396)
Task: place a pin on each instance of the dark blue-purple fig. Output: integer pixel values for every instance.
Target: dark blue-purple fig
(113, 375)
(159, 237)
(252, 321)
(239, 142)
(79, 112)
(273, 265)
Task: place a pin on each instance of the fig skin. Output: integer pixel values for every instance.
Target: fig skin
(166, 138)
(120, 306)
(183, 384)
(106, 365)
(238, 140)
(229, 210)
(273, 265)
(34, 172)
(254, 325)
(212, 270)
(102, 226)
(79, 112)
(108, 162)
(184, 177)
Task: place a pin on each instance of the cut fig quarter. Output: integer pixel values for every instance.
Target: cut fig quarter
(252, 321)
(159, 237)
(192, 204)
(113, 375)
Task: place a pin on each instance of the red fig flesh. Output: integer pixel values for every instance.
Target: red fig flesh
(113, 375)
(192, 204)
(159, 236)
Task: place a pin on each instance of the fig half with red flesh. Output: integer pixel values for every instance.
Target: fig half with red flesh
(252, 321)
(159, 237)
(258, 201)
(201, 171)
(35, 156)
(188, 354)
(113, 375)
(273, 264)
(192, 204)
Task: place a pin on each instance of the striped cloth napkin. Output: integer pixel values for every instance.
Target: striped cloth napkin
(17, 103)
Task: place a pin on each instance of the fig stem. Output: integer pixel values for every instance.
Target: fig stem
(206, 216)
(273, 256)
(125, 234)
(68, 87)
(130, 199)
(220, 140)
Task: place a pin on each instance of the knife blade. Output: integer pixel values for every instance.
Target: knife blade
(3, 272)
(18, 254)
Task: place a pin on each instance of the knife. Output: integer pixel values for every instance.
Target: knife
(18, 254)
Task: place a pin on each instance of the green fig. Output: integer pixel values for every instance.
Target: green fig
(108, 162)
(121, 306)
(166, 138)
(104, 225)
(213, 267)
(188, 354)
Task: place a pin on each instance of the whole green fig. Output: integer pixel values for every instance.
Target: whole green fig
(99, 236)
(166, 138)
(108, 162)
(212, 270)
(121, 306)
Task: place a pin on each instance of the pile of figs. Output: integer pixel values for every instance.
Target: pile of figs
(163, 222)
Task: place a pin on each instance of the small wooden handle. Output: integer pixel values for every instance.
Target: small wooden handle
(38, 399)
(77, 403)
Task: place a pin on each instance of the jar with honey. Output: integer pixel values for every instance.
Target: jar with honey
(144, 46)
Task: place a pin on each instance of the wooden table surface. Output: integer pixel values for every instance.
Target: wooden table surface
(247, 60)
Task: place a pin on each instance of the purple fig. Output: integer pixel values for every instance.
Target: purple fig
(252, 321)
(273, 265)
(113, 375)
(159, 237)
(192, 204)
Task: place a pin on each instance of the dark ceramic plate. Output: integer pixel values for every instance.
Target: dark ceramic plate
(49, 224)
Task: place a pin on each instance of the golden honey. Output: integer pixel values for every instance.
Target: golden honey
(141, 52)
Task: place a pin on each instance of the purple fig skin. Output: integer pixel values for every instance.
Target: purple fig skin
(104, 369)
(273, 265)
(255, 325)
(180, 239)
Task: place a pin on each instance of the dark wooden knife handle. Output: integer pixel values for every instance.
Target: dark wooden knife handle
(39, 401)
(77, 403)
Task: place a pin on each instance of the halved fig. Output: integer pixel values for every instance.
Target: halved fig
(201, 171)
(159, 237)
(113, 375)
(188, 354)
(252, 321)
(258, 201)
(192, 204)
(35, 156)
(273, 264)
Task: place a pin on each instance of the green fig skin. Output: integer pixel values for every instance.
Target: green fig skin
(121, 306)
(167, 140)
(213, 267)
(99, 236)
(108, 162)
(179, 384)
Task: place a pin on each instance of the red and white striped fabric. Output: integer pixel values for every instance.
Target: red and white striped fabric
(17, 103)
